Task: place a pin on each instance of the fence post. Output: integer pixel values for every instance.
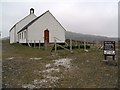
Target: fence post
(28, 43)
(76, 43)
(55, 45)
(84, 44)
(45, 44)
(39, 44)
(31, 43)
(34, 43)
(70, 44)
(79, 45)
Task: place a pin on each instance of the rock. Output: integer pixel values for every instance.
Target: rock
(86, 50)
(48, 65)
(35, 58)
(10, 58)
(30, 86)
(87, 61)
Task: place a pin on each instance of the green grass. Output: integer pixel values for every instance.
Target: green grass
(87, 70)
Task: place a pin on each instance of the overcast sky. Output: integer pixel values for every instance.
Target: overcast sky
(95, 17)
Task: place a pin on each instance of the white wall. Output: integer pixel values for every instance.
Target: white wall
(23, 23)
(12, 35)
(47, 21)
(22, 38)
(19, 26)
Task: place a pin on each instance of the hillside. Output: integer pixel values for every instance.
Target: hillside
(79, 36)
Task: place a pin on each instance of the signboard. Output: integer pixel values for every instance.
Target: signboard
(109, 48)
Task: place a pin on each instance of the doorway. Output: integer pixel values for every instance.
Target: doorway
(46, 36)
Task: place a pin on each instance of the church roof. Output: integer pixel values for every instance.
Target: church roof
(32, 21)
(36, 20)
(20, 21)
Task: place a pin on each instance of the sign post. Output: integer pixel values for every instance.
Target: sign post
(109, 49)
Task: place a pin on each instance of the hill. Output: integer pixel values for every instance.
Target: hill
(79, 36)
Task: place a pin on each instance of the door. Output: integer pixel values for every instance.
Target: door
(46, 36)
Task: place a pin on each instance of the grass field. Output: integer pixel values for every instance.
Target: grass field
(26, 67)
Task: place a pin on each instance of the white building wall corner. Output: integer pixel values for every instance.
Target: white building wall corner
(36, 30)
(12, 35)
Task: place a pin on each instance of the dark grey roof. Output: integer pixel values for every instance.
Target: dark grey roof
(32, 22)
(12, 27)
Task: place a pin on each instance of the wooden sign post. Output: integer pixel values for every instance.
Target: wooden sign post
(109, 49)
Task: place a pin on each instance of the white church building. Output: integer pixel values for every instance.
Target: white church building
(41, 29)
